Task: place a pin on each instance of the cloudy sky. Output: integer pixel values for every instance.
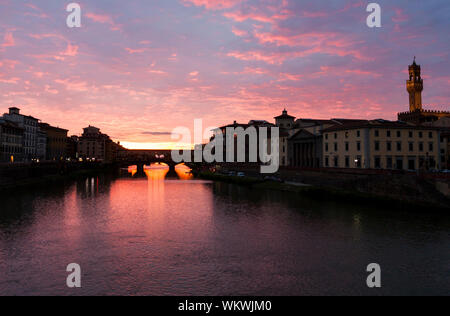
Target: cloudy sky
(139, 68)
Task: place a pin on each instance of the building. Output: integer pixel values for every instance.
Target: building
(72, 147)
(56, 141)
(257, 124)
(445, 149)
(285, 122)
(30, 126)
(306, 141)
(443, 124)
(41, 145)
(381, 144)
(416, 114)
(94, 145)
(11, 142)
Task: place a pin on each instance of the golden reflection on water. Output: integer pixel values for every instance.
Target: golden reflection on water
(156, 173)
(132, 170)
(184, 172)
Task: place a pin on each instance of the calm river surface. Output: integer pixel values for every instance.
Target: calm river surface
(150, 236)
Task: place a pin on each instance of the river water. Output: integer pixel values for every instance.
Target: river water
(155, 235)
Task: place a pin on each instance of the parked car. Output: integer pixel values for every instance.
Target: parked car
(241, 174)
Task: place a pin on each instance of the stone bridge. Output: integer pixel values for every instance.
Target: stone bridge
(146, 157)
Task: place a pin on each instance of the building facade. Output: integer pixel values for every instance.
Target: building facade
(248, 155)
(286, 124)
(94, 145)
(56, 142)
(72, 147)
(30, 126)
(11, 142)
(41, 145)
(382, 144)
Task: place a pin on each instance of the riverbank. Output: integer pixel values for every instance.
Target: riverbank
(403, 193)
(24, 176)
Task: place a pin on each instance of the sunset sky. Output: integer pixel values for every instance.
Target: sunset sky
(138, 68)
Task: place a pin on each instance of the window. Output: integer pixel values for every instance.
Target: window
(335, 135)
(327, 161)
(336, 161)
(430, 135)
(389, 163)
(420, 134)
(411, 164)
(347, 146)
(346, 134)
(358, 162)
(326, 136)
(421, 147)
(399, 163)
(377, 133)
(347, 162)
(431, 147)
(399, 134)
(326, 147)
(389, 146)
(399, 146)
(358, 133)
(335, 146)
(411, 146)
(358, 146)
(410, 134)
(377, 146)
(377, 162)
(388, 133)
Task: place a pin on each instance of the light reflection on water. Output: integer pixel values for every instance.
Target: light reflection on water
(155, 235)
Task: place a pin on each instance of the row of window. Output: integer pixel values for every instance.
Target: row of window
(11, 149)
(11, 139)
(377, 146)
(388, 134)
(385, 163)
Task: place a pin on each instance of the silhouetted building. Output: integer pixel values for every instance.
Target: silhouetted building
(94, 145)
(246, 139)
(11, 142)
(285, 122)
(72, 147)
(56, 141)
(41, 145)
(30, 126)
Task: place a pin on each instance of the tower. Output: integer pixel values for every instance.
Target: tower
(415, 87)
(285, 120)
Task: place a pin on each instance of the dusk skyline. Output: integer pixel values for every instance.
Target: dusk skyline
(138, 69)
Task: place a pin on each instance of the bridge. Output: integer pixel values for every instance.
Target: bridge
(140, 158)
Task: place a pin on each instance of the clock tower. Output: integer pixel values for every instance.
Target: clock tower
(415, 87)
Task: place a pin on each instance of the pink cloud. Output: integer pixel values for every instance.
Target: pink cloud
(71, 50)
(135, 51)
(8, 40)
(100, 18)
(213, 4)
